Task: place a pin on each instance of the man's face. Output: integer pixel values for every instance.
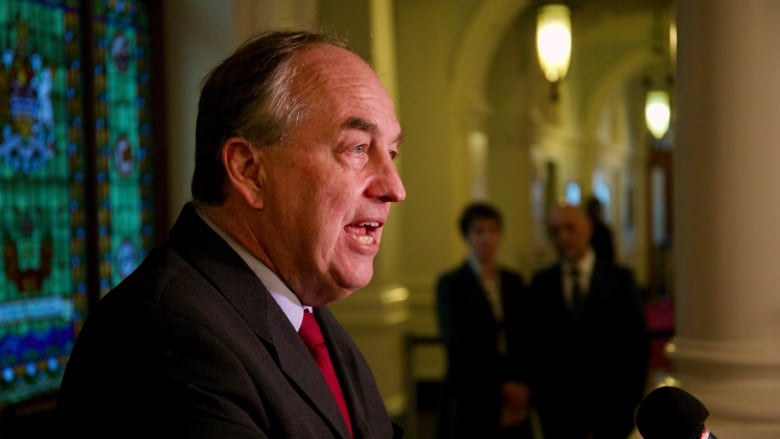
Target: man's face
(483, 238)
(570, 231)
(329, 185)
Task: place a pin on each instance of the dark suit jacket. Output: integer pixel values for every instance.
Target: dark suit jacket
(471, 397)
(588, 370)
(193, 345)
(602, 242)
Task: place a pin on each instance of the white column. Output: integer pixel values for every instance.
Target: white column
(727, 212)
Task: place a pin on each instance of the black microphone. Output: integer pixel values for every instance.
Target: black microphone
(672, 413)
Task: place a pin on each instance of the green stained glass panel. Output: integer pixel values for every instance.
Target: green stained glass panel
(47, 231)
(123, 123)
(42, 214)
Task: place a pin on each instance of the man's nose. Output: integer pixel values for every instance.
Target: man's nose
(388, 185)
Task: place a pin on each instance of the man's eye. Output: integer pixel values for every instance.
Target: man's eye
(360, 149)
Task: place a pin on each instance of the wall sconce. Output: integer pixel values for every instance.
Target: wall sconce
(657, 112)
(553, 42)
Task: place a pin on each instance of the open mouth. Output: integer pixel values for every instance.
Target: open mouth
(363, 232)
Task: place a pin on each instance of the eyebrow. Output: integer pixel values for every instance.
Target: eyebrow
(360, 124)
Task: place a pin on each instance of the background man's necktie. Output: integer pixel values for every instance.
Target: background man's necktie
(312, 336)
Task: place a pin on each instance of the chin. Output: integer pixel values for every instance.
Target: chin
(356, 280)
(348, 275)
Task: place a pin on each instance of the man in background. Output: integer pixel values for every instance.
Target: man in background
(601, 238)
(587, 345)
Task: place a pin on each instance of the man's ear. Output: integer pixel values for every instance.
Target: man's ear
(245, 170)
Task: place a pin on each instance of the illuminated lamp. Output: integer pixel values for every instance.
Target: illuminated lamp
(657, 112)
(553, 42)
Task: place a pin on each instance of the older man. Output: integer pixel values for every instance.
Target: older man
(587, 342)
(293, 182)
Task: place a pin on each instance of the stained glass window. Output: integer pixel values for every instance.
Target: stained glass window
(59, 150)
(123, 137)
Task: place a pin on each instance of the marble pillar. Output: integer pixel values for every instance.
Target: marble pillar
(726, 350)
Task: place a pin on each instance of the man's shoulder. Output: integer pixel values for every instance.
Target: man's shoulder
(614, 269)
(456, 272)
(550, 271)
(511, 274)
(160, 267)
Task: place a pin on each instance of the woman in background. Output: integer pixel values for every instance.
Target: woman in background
(478, 306)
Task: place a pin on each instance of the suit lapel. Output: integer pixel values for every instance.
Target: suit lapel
(596, 280)
(476, 289)
(349, 372)
(240, 286)
(222, 266)
(557, 281)
(297, 363)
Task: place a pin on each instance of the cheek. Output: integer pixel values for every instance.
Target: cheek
(326, 211)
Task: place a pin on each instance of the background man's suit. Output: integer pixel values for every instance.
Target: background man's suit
(471, 396)
(266, 374)
(588, 370)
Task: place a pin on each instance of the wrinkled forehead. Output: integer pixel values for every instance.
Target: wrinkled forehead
(337, 90)
(323, 69)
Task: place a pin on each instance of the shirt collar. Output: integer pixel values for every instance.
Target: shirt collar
(475, 266)
(584, 265)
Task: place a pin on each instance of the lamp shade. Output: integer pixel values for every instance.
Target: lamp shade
(553, 40)
(657, 112)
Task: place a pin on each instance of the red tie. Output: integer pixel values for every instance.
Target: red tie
(312, 336)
